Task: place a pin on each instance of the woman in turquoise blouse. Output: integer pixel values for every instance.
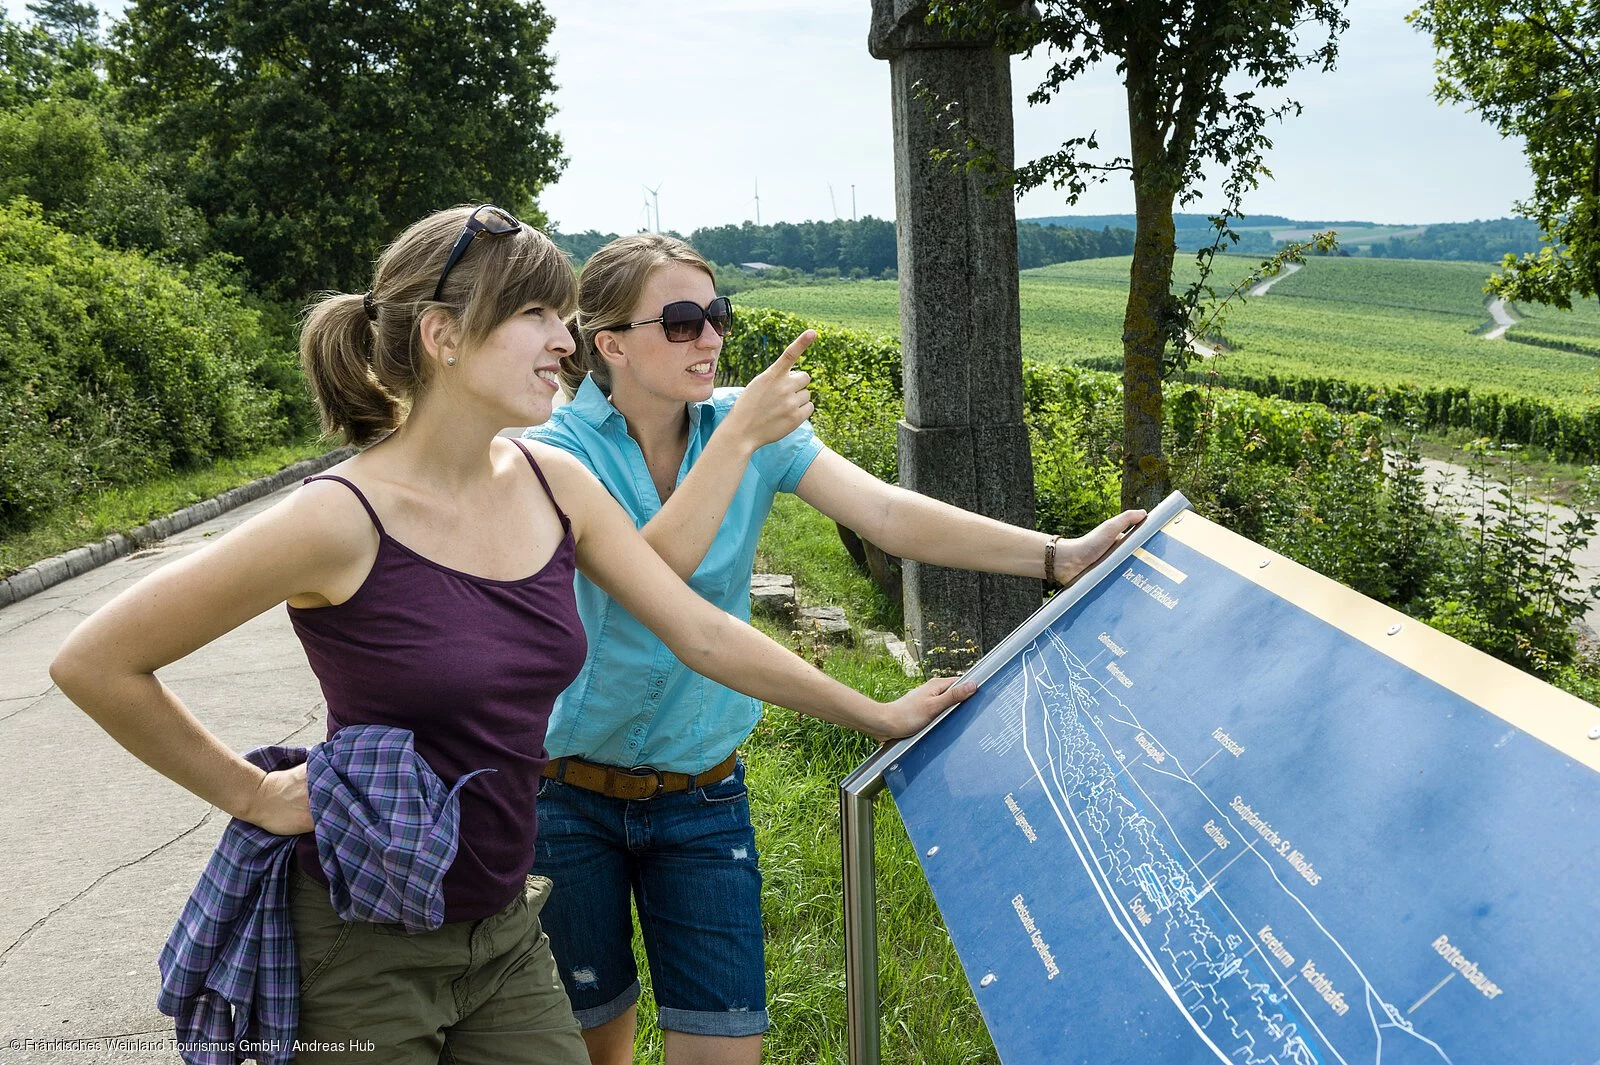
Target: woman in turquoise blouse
(697, 468)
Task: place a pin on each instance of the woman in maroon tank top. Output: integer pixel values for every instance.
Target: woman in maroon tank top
(430, 581)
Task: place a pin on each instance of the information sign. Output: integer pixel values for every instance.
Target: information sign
(1222, 809)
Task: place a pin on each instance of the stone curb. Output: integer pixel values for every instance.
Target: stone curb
(52, 571)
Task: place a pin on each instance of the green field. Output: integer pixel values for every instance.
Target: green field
(1579, 326)
(1362, 320)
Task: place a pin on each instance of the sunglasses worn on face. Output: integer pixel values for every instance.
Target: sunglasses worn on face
(685, 320)
(484, 219)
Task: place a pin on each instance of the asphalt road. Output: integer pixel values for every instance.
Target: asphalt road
(101, 852)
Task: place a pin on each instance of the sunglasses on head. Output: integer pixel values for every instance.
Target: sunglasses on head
(486, 218)
(684, 320)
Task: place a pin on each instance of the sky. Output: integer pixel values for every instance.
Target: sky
(709, 101)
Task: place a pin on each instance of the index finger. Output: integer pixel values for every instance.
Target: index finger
(792, 353)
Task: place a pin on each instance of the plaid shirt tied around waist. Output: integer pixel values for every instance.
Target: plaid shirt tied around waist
(386, 829)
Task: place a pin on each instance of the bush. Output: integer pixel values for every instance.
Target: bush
(115, 368)
(1513, 588)
(1075, 485)
(1569, 433)
(759, 335)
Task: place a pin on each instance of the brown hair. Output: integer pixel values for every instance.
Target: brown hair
(608, 287)
(364, 370)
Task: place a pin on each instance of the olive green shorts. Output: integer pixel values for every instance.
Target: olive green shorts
(470, 992)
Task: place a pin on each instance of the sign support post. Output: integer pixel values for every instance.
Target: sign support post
(857, 801)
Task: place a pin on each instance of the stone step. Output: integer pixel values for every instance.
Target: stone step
(828, 622)
(772, 594)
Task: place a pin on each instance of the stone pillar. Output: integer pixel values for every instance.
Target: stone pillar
(963, 439)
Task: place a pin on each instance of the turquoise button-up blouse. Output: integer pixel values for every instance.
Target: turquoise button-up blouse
(635, 704)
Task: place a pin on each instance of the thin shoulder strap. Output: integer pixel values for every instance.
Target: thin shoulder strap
(373, 514)
(537, 472)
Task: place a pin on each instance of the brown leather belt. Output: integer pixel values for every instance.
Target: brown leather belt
(640, 782)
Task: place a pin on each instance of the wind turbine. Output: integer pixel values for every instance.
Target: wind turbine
(832, 202)
(758, 201)
(657, 201)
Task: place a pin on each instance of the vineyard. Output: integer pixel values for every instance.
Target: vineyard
(1388, 336)
(1576, 330)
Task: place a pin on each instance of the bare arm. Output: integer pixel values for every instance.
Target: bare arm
(773, 405)
(308, 545)
(709, 641)
(919, 527)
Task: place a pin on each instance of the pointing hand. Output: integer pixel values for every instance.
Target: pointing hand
(776, 401)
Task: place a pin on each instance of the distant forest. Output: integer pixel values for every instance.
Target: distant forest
(1473, 241)
(1482, 241)
(861, 248)
(866, 247)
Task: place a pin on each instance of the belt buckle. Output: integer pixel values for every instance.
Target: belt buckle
(646, 770)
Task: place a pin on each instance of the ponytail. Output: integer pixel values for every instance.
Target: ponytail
(336, 350)
(364, 355)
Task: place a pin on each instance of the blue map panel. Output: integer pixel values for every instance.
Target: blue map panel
(1192, 822)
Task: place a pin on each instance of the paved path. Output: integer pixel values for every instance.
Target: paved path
(1266, 286)
(1502, 319)
(1208, 349)
(101, 852)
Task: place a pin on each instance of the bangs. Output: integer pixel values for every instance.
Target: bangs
(525, 268)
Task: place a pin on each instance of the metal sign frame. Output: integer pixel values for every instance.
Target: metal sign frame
(859, 791)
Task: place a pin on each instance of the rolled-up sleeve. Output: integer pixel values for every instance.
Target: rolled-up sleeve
(783, 462)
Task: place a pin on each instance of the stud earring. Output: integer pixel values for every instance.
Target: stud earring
(451, 361)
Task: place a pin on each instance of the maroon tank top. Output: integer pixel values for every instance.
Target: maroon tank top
(472, 667)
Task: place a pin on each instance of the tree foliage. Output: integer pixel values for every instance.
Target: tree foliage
(65, 146)
(33, 62)
(309, 134)
(86, 170)
(1043, 245)
(1532, 68)
(866, 244)
(1195, 72)
(66, 40)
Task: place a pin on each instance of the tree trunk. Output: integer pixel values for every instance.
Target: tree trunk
(1146, 475)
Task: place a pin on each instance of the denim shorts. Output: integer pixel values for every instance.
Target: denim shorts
(688, 862)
